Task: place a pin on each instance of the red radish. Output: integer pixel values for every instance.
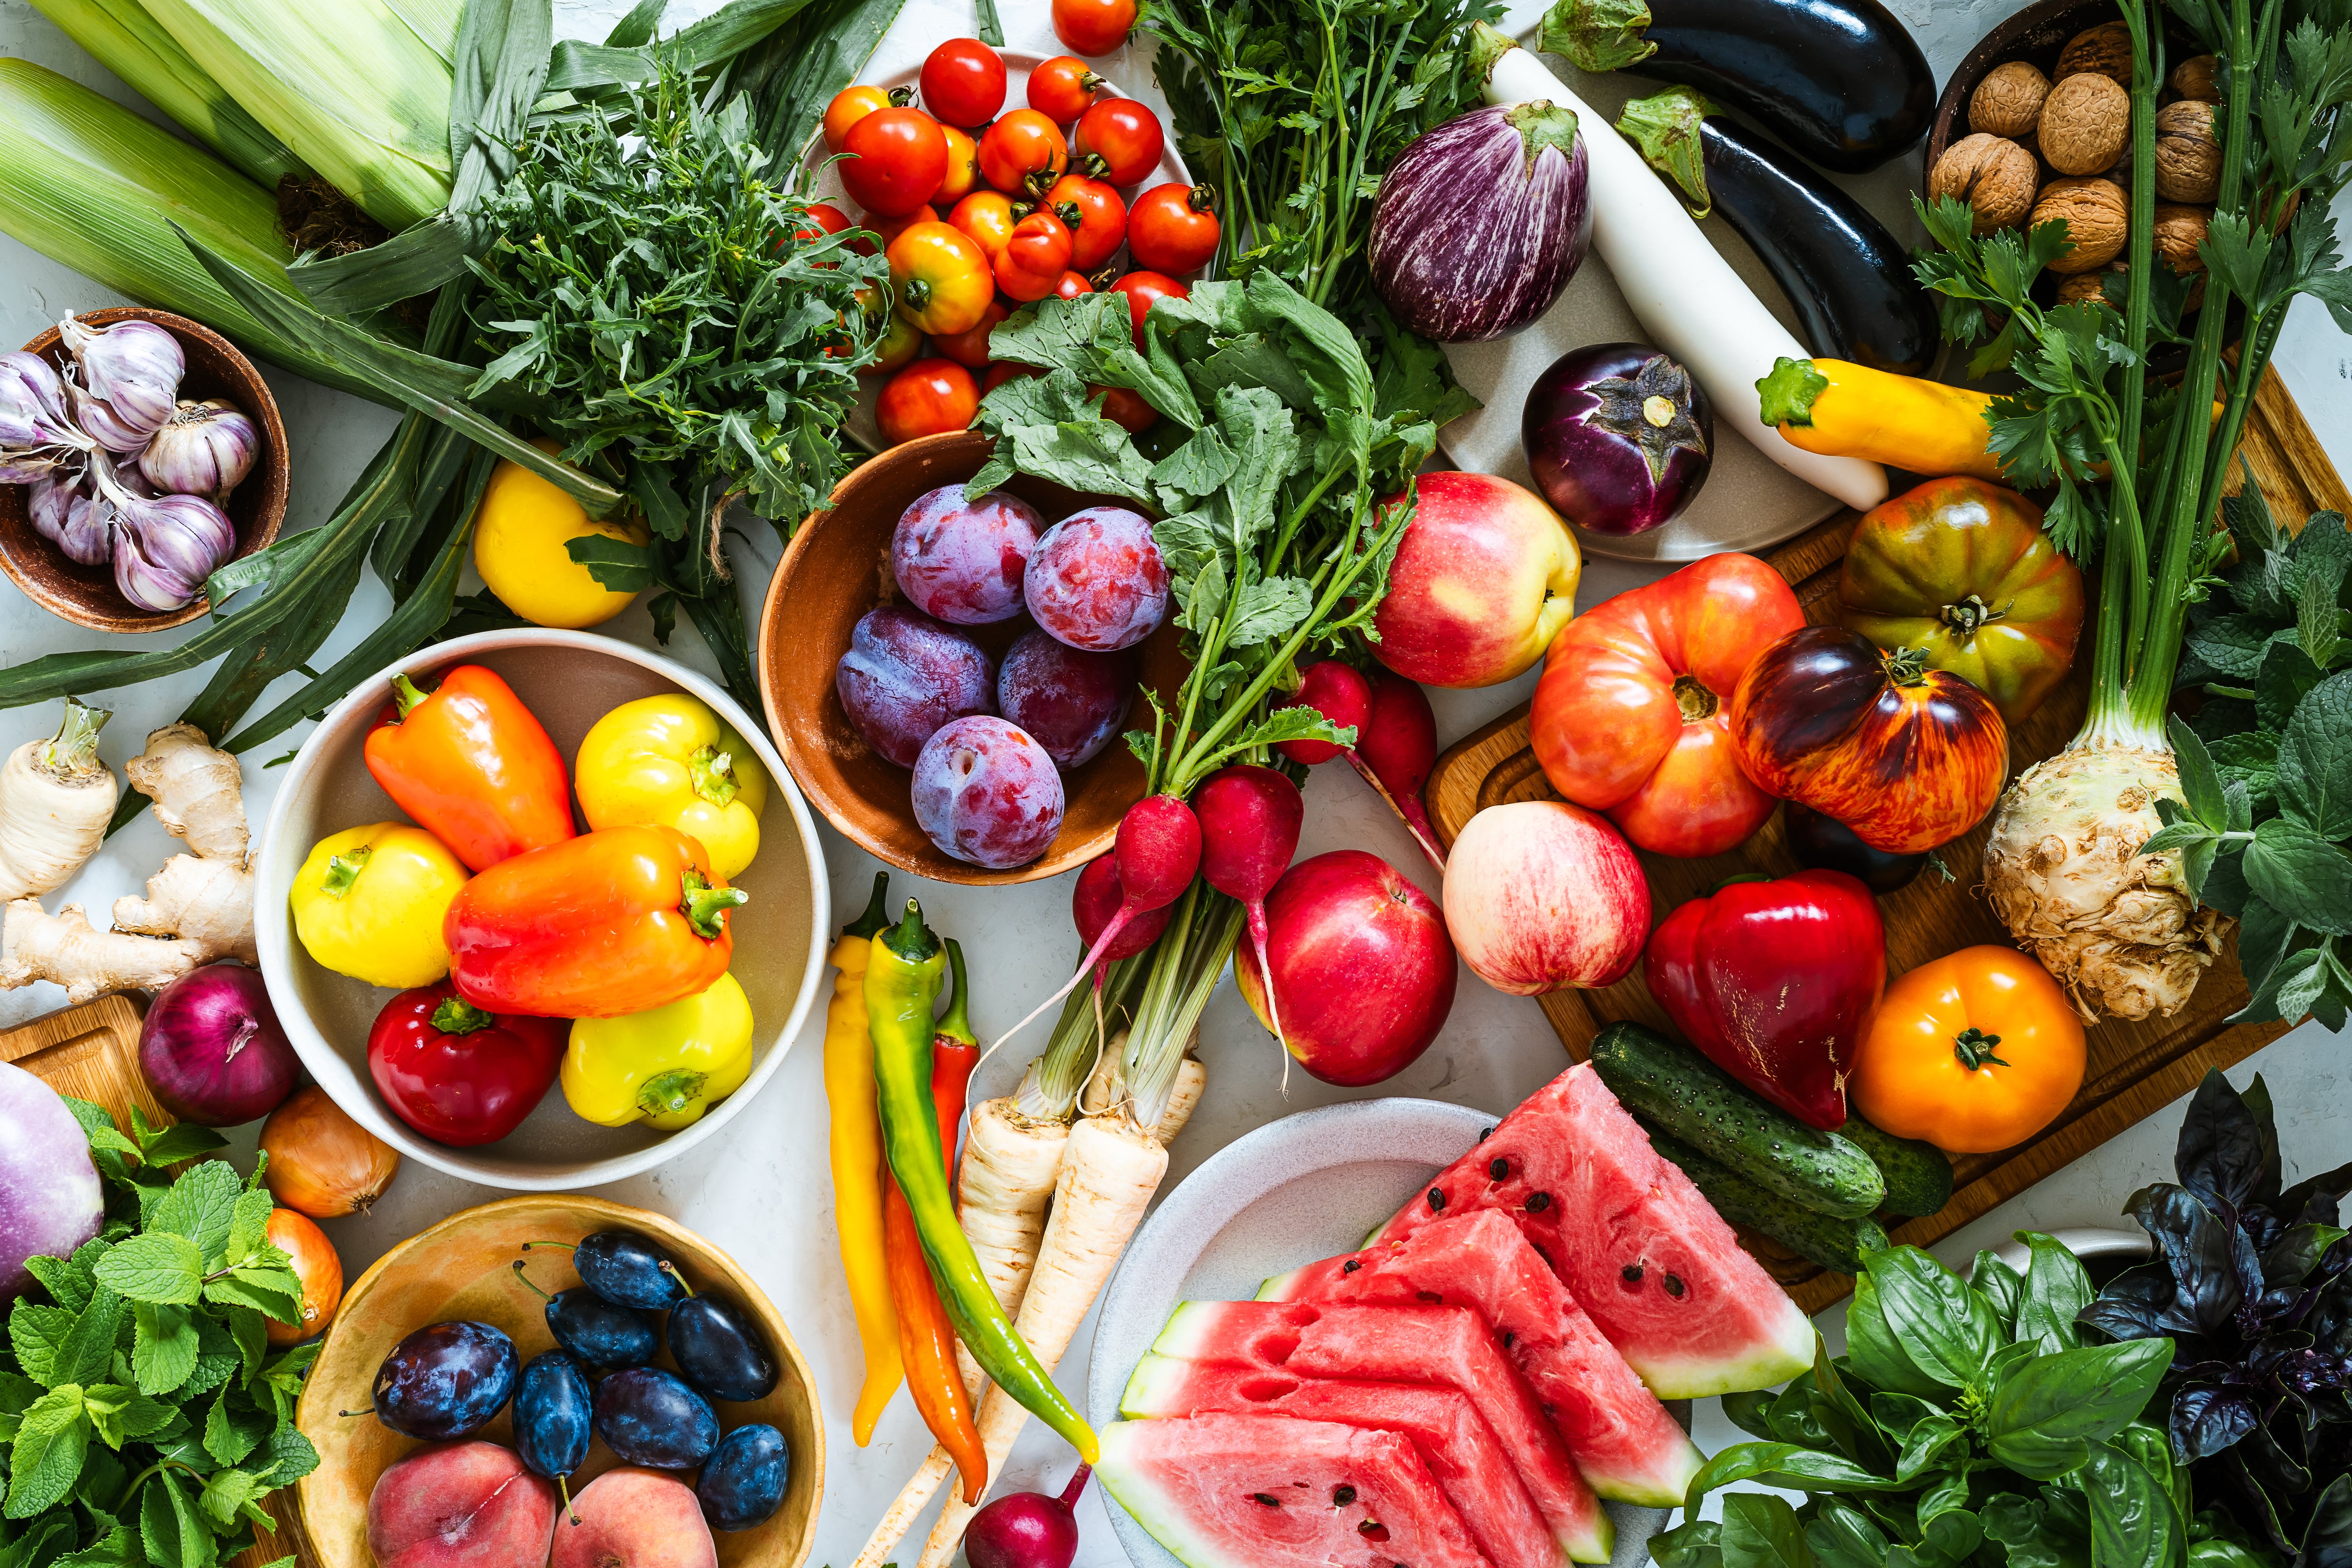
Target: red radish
(1095, 901)
(1026, 1529)
(1250, 818)
(1341, 694)
(1395, 749)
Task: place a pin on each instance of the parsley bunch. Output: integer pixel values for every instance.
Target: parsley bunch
(145, 1418)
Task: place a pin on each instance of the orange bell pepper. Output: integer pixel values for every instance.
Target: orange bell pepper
(472, 766)
(623, 920)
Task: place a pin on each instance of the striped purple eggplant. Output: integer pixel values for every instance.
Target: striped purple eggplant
(1482, 222)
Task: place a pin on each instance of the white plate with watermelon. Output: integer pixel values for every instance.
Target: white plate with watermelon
(1440, 1400)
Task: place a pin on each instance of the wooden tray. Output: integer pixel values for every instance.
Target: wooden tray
(2134, 1068)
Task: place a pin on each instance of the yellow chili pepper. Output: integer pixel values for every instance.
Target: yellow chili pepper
(664, 1066)
(670, 761)
(857, 1163)
(369, 900)
(1845, 410)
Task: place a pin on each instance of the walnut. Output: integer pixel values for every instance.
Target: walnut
(2096, 216)
(2085, 121)
(2084, 286)
(2188, 154)
(2180, 230)
(1993, 176)
(2106, 50)
(2008, 100)
(2194, 79)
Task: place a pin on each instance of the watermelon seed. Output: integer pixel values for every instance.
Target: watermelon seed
(1498, 1169)
(1427, 1296)
(1436, 1199)
(1486, 1135)
(1373, 1529)
(1674, 1287)
(1341, 1496)
(1630, 1274)
(1506, 1338)
(1351, 1266)
(1538, 1202)
(1264, 1498)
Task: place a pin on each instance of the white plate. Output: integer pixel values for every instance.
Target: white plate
(1308, 1186)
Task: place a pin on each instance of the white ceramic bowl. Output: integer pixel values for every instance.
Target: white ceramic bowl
(569, 680)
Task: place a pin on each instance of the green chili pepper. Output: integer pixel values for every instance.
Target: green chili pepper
(902, 984)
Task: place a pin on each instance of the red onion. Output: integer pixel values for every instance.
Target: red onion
(212, 1048)
(1026, 1529)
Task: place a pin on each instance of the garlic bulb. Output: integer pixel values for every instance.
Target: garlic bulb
(164, 546)
(126, 382)
(69, 518)
(204, 448)
(37, 435)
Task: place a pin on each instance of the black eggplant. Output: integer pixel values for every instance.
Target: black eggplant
(1845, 275)
(1840, 81)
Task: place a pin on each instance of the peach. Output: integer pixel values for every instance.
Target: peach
(460, 1505)
(635, 1518)
(1486, 574)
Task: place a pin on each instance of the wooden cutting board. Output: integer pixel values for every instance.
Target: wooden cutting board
(2134, 1068)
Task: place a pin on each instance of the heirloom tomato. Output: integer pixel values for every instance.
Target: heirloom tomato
(1093, 27)
(901, 341)
(1631, 716)
(1124, 136)
(1096, 216)
(926, 398)
(1974, 1052)
(1962, 568)
(1907, 756)
(963, 82)
(1173, 227)
(941, 278)
(1034, 257)
(1023, 153)
(1145, 290)
(897, 159)
(1064, 88)
(849, 106)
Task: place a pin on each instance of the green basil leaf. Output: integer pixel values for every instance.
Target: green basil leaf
(1750, 1411)
(1694, 1544)
(2001, 1286)
(1760, 1531)
(1842, 1536)
(158, 1267)
(1792, 1418)
(2022, 1527)
(2133, 1521)
(1837, 1409)
(2049, 1410)
(2055, 1293)
(1947, 1330)
(1897, 1413)
(1788, 1466)
(1876, 1356)
(1925, 1443)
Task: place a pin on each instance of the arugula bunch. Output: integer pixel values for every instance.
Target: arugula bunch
(1968, 1423)
(145, 1418)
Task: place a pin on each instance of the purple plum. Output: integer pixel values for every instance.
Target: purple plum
(965, 560)
(1097, 582)
(904, 675)
(1619, 438)
(1071, 700)
(987, 793)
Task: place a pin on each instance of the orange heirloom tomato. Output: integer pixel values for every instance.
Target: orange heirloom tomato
(897, 160)
(986, 218)
(849, 106)
(1975, 1052)
(941, 279)
(1096, 216)
(970, 348)
(963, 166)
(1064, 88)
(1035, 257)
(1023, 153)
(1173, 227)
(928, 397)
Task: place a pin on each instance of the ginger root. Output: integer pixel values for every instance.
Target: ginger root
(208, 903)
(37, 945)
(198, 791)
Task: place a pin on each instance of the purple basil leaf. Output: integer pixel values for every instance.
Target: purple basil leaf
(2132, 1305)
(2253, 1506)
(2315, 1199)
(2195, 1245)
(2228, 1148)
(2327, 1539)
(2206, 1419)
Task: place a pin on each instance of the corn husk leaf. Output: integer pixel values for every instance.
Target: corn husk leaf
(796, 70)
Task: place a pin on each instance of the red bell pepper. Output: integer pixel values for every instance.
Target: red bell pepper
(472, 766)
(456, 1074)
(1775, 982)
(623, 920)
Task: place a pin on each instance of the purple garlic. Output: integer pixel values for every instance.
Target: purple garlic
(204, 449)
(32, 404)
(127, 380)
(69, 518)
(164, 546)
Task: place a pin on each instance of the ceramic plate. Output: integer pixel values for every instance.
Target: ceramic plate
(1306, 1187)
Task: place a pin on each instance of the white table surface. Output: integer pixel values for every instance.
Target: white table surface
(761, 1191)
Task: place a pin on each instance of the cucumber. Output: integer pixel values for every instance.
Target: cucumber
(1825, 1239)
(1918, 1177)
(1697, 1101)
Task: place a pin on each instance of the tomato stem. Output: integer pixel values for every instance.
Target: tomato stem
(1974, 1048)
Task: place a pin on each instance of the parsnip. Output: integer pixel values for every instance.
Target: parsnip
(1106, 1089)
(55, 799)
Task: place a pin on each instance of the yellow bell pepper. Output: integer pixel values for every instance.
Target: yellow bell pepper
(670, 761)
(368, 903)
(664, 1068)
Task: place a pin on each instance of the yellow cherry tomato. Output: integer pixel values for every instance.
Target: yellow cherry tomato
(368, 901)
(664, 1068)
(670, 761)
(520, 536)
(940, 277)
(1975, 1052)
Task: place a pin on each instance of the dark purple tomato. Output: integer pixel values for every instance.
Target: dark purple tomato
(1071, 701)
(905, 676)
(1822, 843)
(1619, 438)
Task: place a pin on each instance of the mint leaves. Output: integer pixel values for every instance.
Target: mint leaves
(143, 1416)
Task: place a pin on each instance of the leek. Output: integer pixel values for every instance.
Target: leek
(96, 187)
(129, 42)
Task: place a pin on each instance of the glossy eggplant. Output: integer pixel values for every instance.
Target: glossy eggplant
(1840, 82)
(1845, 275)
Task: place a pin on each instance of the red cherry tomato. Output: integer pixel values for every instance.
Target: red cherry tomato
(1035, 258)
(1125, 135)
(849, 106)
(968, 348)
(1071, 285)
(1064, 88)
(887, 229)
(986, 218)
(898, 158)
(1145, 290)
(963, 82)
(928, 397)
(1100, 223)
(1093, 26)
(1127, 409)
(823, 218)
(962, 177)
(1173, 227)
(1023, 153)
(1004, 371)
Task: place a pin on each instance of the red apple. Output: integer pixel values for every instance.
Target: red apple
(1486, 574)
(1544, 896)
(1365, 967)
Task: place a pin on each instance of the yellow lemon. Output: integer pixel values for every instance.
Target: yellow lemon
(518, 540)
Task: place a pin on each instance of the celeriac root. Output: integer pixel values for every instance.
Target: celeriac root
(63, 947)
(55, 799)
(198, 791)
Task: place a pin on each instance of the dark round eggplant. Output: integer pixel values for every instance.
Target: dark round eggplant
(1822, 843)
(1840, 81)
(1847, 276)
(1618, 436)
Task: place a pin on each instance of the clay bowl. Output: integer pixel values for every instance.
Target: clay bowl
(86, 595)
(463, 1268)
(837, 568)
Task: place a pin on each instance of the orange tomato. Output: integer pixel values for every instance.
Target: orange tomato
(1023, 153)
(970, 348)
(1975, 1052)
(1096, 216)
(315, 1264)
(926, 398)
(1035, 257)
(985, 218)
(941, 279)
(963, 166)
(849, 106)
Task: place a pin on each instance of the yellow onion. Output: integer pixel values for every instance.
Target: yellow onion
(322, 1163)
(315, 1264)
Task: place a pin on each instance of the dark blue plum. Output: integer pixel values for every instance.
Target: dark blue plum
(446, 1380)
(649, 1417)
(720, 1349)
(625, 1268)
(602, 1336)
(554, 1412)
(745, 1480)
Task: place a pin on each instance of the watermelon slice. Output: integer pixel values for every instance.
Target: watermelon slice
(1443, 1345)
(1624, 1442)
(1269, 1491)
(1453, 1439)
(1636, 1245)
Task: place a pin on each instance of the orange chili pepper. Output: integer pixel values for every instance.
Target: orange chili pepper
(927, 1345)
(472, 766)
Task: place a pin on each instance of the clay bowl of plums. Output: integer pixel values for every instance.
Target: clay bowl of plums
(578, 1384)
(950, 679)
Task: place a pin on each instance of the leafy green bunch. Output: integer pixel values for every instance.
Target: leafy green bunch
(1967, 1423)
(145, 1418)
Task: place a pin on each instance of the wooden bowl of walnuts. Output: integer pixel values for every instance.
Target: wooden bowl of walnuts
(2036, 124)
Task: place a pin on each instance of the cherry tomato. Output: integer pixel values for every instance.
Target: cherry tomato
(962, 177)
(970, 348)
(926, 398)
(941, 279)
(1173, 228)
(1145, 290)
(902, 341)
(898, 158)
(1123, 134)
(1023, 153)
(1064, 88)
(1071, 285)
(1035, 258)
(1093, 26)
(887, 229)
(823, 218)
(986, 218)
(1004, 371)
(963, 82)
(1100, 223)
(1127, 409)
(849, 106)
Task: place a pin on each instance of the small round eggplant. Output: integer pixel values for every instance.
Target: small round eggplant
(1822, 843)
(1619, 438)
